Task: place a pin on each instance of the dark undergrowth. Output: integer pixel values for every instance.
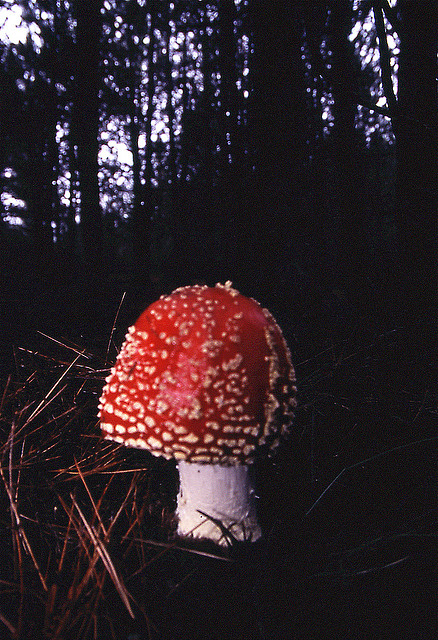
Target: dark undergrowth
(348, 505)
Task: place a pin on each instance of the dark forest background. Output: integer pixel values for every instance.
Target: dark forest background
(287, 146)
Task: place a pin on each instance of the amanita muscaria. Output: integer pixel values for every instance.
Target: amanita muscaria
(204, 376)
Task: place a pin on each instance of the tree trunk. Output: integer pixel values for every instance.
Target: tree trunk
(348, 205)
(85, 124)
(144, 204)
(168, 68)
(137, 21)
(229, 94)
(416, 129)
(277, 121)
(149, 170)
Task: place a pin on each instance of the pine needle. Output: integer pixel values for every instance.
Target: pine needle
(106, 559)
(50, 392)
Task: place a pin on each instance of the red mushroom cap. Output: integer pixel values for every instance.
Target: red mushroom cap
(204, 375)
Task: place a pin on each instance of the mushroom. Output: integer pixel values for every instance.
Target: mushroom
(205, 377)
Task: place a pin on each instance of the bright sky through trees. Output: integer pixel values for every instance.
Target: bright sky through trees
(15, 30)
(115, 149)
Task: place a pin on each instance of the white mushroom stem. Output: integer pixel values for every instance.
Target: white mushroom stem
(225, 494)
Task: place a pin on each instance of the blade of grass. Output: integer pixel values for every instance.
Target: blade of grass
(114, 326)
(366, 461)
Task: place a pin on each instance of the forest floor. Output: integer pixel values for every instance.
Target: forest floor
(348, 505)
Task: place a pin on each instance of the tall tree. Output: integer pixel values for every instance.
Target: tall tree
(136, 29)
(277, 121)
(347, 205)
(42, 162)
(228, 82)
(151, 87)
(416, 130)
(85, 122)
